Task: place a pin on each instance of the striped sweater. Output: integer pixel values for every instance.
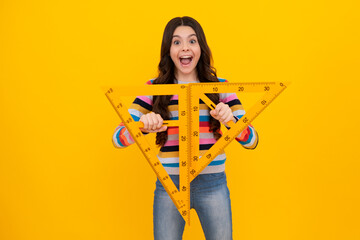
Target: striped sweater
(169, 153)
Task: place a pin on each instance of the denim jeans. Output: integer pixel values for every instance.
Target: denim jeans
(209, 196)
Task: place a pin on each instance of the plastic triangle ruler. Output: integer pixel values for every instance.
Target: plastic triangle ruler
(190, 162)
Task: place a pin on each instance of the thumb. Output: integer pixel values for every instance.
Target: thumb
(163, 128)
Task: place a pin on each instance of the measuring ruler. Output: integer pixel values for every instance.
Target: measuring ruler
(198, 90)
(190, 163)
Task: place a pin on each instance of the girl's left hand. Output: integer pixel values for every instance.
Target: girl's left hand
(222, 113)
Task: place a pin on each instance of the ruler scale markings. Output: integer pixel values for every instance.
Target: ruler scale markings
(148, 90)
(184, 185)
(231, 87)
(188, 123)
(145, 148)
(236, 129)
(195, 129)
(169, 123)
(188, 155)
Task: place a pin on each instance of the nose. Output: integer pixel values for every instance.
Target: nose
(185, 47)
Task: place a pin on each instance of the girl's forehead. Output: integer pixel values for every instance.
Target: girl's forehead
(184, 31)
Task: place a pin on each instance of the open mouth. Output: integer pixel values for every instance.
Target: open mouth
(186, 60)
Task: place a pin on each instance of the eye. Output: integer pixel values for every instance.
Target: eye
(176, 42)
(192, 41)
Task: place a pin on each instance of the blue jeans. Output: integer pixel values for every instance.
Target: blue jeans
(209, 196)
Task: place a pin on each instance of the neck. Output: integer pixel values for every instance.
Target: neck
(191, 77)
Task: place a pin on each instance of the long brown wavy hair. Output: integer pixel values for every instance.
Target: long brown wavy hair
(205, 71)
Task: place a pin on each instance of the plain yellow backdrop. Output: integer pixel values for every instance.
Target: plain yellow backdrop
(60, 176)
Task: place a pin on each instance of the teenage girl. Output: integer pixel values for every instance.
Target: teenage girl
(186, 58)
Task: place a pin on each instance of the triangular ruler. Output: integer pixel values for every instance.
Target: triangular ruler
(190, 163)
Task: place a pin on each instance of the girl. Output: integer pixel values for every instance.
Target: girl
(186, 58)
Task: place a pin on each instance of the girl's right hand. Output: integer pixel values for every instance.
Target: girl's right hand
(152, 123)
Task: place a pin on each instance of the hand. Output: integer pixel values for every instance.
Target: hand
(222, 113)
(152, 123)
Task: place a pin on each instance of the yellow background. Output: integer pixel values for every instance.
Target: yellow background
(60, 176)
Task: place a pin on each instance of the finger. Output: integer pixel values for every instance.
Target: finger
(150, 120)
(144, 120)
(155, 121)
(218, 108)
(224, 112)
(159, 120)
(228, 116)
(230, 119)
(162, 129)
(213, 113)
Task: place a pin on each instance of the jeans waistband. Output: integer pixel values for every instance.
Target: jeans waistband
(202, 181)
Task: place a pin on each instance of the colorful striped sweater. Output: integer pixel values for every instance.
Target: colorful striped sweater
(169, 153)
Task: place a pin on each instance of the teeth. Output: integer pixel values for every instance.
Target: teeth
(185, 57)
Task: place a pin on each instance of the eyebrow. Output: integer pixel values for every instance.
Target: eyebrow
(188, 36)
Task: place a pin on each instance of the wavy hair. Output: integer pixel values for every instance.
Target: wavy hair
(205, 71)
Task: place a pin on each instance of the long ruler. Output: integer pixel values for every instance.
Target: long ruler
(184, 150)
(190, 163)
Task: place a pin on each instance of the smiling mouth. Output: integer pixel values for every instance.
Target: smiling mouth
(185, 60)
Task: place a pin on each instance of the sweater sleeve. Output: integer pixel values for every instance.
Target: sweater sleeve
(140, 106)
(249, 137)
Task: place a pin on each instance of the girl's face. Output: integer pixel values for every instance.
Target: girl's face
(185, 52)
